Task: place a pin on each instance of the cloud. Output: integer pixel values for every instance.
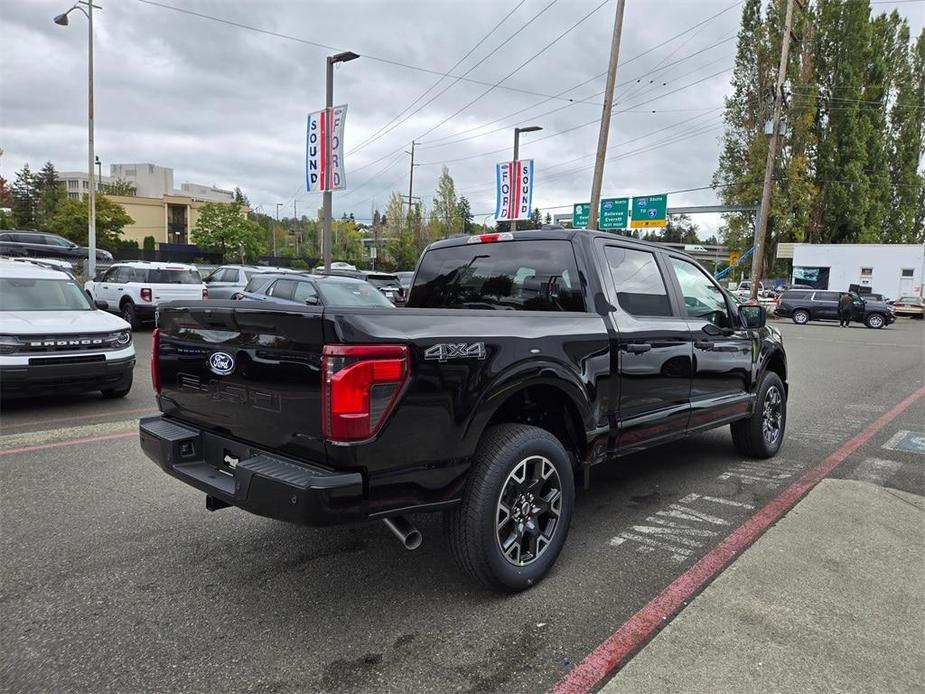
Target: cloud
(226, 106)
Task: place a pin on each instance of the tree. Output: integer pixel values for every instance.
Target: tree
(70, 221)
(222, 228)
(465, 214)
(49, 192)
(680, 229)
(240, 197)
(148, 243)
(24, 202)
(6, 193)
(445, 220)
(547, 219)
(120, 186)
(401, 250)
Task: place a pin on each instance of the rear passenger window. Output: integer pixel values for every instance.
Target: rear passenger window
(825, 296)
(639, 283)
(283, 289)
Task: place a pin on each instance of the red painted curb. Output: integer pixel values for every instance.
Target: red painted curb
(643, 625)
(69, 442)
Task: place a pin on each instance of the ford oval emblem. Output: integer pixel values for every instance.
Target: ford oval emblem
(221, 363)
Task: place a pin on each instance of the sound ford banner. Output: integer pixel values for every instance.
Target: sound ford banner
(515, 190)
(324, 170)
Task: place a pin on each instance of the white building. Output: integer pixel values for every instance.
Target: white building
(150, 180)
(207, 193)
(77, 183)
(893, 270)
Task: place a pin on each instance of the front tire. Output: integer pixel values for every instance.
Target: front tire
(761, 435)
(514, 516)
(800, 317)
(875, 321)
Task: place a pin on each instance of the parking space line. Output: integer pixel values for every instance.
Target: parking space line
(36, 422)
(642, 626)
(69, 442)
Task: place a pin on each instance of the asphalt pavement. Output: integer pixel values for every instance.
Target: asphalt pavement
(116, 578)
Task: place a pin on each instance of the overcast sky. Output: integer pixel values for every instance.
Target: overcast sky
(224, 105)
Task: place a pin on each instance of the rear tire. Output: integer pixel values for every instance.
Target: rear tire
(800, 316)
(514, 516)
(875, 321)
(761, 435)
(127, 311)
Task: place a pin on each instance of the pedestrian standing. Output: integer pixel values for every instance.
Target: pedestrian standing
(845, 304)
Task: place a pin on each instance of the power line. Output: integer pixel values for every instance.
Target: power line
(378, 59)
(383, 131)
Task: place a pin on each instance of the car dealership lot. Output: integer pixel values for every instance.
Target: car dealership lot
(116, 578)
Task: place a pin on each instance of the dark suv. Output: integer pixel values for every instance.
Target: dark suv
(33, 244)
(804, 305)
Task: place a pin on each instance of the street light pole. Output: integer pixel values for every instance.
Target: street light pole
(62, 20)
(326, 201)
(517, 131)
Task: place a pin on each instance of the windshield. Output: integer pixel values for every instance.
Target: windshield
(351, 294)
(383, 280)
(512, 275)
(42, 295)
(174, 277)
(909, 299)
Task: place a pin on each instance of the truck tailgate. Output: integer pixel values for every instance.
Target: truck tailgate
(249, 373)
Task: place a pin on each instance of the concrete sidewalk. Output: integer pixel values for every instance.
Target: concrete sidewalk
(831, 599)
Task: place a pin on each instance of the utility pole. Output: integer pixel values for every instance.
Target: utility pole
(278, 205)
(410, 183)
(765, 207)
(598, 179)
(295, 225)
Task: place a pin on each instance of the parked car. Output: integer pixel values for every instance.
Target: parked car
(52, 339)
(912, 306)
(134, 289)
(226, 281)
(523, 360)
(312, 290)
(386, 283)
(802, 306)
(33, 244)
(405, 277)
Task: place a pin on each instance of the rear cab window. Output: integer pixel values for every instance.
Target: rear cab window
(640, 287)
(521, 275)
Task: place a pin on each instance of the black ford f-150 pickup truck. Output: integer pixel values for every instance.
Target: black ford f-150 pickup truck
(522, 360)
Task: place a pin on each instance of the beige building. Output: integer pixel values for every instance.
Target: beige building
(169, 218)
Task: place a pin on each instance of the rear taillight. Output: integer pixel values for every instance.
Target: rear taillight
(359, 387)
(146, 294)
(155, 354)
(205, 293)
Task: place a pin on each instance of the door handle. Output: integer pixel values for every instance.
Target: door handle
(638, 348)
(703, 344)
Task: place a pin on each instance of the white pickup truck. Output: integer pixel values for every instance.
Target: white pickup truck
(134, 289)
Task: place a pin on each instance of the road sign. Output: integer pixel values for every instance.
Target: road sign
(581, 211)
(734, 257)
(324, 170)
(614, 213)
(515, 190)
(650, 211)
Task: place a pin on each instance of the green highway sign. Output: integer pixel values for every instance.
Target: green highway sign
(614, 212)
(649, 211)
(580, 213)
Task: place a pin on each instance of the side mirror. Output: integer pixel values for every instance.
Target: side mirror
(102, 305)
(753, 316)
(312, 301)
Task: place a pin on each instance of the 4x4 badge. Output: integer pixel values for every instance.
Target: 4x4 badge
(458, 350)
(221, 363)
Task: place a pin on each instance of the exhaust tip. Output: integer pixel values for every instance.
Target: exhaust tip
(407, 534)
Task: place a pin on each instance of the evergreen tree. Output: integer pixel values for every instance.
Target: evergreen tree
(24, 199)
(465, 214)
(240, 197)
(49, 192)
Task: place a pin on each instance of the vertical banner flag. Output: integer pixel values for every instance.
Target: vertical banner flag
(515, 190)
(324, 170)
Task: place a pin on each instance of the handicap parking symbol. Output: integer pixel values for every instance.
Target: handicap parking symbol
(912, 441)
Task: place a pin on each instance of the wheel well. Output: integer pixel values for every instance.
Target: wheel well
(777, 365)
(549, 408)
(125, 300)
